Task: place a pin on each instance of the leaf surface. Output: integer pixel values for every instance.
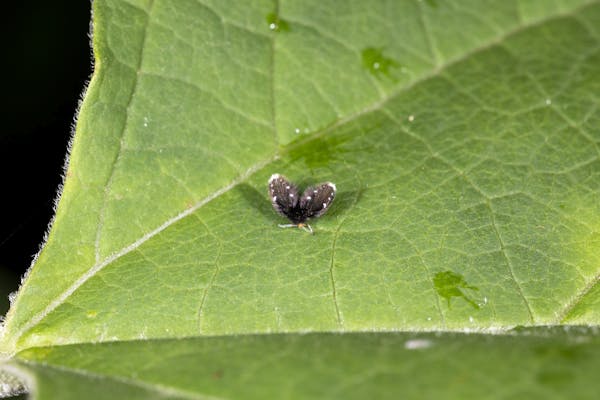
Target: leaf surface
(545, 364)
(462, 137)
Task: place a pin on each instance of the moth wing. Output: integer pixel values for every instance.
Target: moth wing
(283, 194)
(317, 199)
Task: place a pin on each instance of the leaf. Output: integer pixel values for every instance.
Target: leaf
(534, 364)
(463, 140)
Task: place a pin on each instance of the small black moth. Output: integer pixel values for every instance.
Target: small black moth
(315, 201)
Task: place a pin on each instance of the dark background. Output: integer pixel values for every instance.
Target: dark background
(46, 63)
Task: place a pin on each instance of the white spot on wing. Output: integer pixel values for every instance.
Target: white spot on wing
(332, 185)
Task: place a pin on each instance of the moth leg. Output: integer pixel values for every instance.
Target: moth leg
(306, 227)
(287, 225)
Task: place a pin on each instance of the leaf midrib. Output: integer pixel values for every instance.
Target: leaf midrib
(289, 148)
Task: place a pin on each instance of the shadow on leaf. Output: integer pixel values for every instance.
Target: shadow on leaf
(257, 200)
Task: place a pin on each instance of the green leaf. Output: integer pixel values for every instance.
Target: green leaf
(463, 140)
(535, 364)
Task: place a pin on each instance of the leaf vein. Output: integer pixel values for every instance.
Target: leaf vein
(508, 262)
(377, 105)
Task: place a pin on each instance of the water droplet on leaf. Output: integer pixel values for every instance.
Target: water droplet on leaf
(277, 24)
(376, 63)
(432, 3)
(449, 284)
